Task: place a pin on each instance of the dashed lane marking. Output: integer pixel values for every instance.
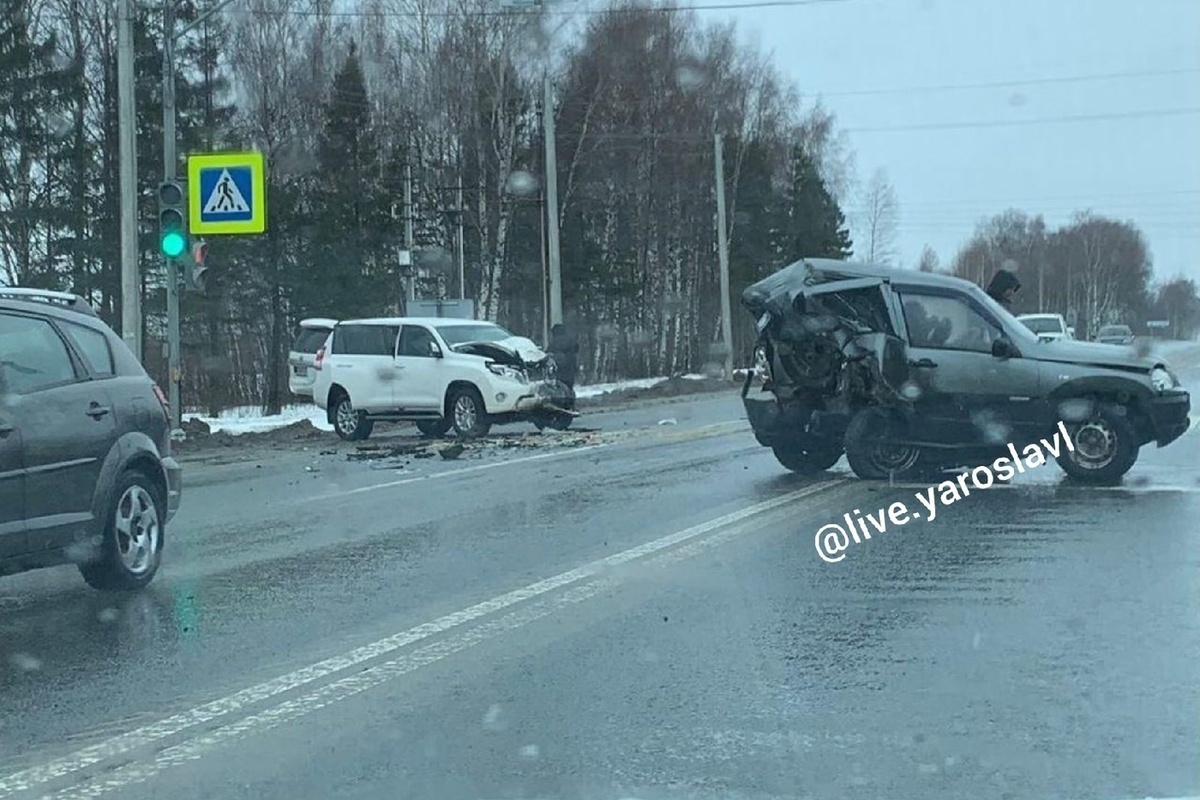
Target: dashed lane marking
(581, 580)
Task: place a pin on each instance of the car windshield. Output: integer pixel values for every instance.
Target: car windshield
(1114, 330)
(1043, 324)
(461, 334)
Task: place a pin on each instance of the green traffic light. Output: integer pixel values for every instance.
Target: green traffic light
(173, 244)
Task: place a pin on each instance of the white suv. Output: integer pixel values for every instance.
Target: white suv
(1048, 327)
(440, 373)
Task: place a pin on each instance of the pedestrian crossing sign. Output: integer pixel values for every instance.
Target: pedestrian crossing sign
(227, 193)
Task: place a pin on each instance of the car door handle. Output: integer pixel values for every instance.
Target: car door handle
(924, 363)
(96, 411)
(6, 428)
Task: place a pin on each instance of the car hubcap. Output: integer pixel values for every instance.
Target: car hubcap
(347, 418)
(138, 534)
(1095, 445)
(464, 413)
(896, 459)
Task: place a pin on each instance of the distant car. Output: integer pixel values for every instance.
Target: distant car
(438, 372)
(86, 473)
(1114, 334)
(310, 335)
(1048, 327)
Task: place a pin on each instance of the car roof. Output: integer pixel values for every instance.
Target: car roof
(1039, 316)
(318, 322)
(62, 305)
(833, 269)
(432, 321)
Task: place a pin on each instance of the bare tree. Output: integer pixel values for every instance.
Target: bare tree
(928, 262)
(879, 219)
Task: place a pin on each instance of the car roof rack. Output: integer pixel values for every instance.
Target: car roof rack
(67, 300)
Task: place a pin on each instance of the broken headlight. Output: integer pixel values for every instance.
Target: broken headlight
(505, 371)
(1162, 379)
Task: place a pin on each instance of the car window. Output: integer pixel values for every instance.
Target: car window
(309, 340)
(33, 355)
(947, 323)
(94, 347)
(416, 341)
(365, 340)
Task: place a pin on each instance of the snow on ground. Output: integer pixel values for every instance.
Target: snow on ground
(250, 419)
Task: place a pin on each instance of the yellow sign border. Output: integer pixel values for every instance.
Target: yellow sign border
(257, 223)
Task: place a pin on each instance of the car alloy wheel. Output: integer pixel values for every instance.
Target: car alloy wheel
(466, 415)
(136, 523)
(347, 418)
(1095, 445)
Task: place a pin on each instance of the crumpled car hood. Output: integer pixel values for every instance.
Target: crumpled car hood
(1073, 351)
(515, 350)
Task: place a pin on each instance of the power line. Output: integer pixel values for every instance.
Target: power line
(1005, 123)
(950, 87)
(535, 9)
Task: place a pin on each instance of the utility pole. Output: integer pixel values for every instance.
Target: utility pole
(723, 256)
(411, 279)
(174, 367)
(462, 267)
(131, 288)
(551, 179)
(542, 244)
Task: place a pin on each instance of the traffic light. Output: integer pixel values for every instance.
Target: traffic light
(195, 268)
(172, 218)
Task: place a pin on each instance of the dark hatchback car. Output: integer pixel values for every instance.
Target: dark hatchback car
(86, 475)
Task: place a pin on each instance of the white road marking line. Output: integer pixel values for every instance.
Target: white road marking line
(173, 725)
(344, 688)
(715, 429)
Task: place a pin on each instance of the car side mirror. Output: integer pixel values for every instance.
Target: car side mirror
(435, 350)
(1003, 348)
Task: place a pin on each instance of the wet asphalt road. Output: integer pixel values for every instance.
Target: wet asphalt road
(640, 614)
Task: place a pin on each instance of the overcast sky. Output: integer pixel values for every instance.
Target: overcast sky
(1131, 148)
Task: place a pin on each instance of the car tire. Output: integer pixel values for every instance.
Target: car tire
(350, 425)
(1105, 446)
(434, 428)
(808, 458)
(869, 454)
(131, 543)
(467, 413)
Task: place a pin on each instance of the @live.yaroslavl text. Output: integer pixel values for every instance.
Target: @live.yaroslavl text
(832, 539)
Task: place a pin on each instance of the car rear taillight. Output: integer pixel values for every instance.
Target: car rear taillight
(162, 399)
(319, 358)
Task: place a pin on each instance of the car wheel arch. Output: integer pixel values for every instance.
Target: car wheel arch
(133, 451)
(454, 387)
(331, 401)
(1113, 390)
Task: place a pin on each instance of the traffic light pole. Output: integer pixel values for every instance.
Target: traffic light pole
(174, 367)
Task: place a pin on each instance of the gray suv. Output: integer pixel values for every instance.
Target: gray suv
(912, 372)
(86, 474)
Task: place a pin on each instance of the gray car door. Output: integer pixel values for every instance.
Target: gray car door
(12, 482)
(966, 393)
(67, 428)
